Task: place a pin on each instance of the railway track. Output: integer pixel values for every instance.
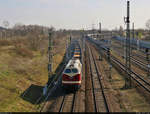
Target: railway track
(138, 54)
(53, 86)
(135, 59)
(144, 84)
(59, 99)
(136, 77)
(68, 102)
(100, 102)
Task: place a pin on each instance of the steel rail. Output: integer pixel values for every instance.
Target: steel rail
(137, 75)
(132, 72)
(99, 80)
(102, 88)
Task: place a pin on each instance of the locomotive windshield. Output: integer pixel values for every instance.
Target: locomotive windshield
(68, 71)
(74, 70)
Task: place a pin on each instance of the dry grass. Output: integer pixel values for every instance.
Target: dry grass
(24, 52)
(20, 66)
(4, 43)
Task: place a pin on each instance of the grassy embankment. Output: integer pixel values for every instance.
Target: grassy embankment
(20, 67)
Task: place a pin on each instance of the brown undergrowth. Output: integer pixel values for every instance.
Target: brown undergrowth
(21, 66)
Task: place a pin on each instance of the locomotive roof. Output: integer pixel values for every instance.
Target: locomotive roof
(74, 63)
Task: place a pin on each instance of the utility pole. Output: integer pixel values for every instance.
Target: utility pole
(84, 35)
(70, 39)
(82, 49)
(138, 41)
(50, 61)
(100, 30)
(109, 60)
(148, 62)
(70, 52)
(108, 55)
(132, 36)
(66, 51)
(50, 56)
(93, 29)
(128, 51)
(133, 30)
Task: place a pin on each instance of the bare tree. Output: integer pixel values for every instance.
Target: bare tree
(121, 31)
(148, 24)
(18, 26)
(6, 25)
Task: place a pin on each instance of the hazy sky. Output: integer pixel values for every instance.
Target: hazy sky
(74, 14)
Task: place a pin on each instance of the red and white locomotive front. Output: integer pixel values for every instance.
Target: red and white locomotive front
(72, 74)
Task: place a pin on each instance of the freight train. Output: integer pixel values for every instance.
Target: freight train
(77, 53)
(72, 74)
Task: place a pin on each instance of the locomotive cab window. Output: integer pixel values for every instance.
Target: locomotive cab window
(74, 70)
(67, 71)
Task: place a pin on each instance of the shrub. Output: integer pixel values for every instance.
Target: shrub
(24, 52)
(18, 65)
(5, 42)
(34, 42)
